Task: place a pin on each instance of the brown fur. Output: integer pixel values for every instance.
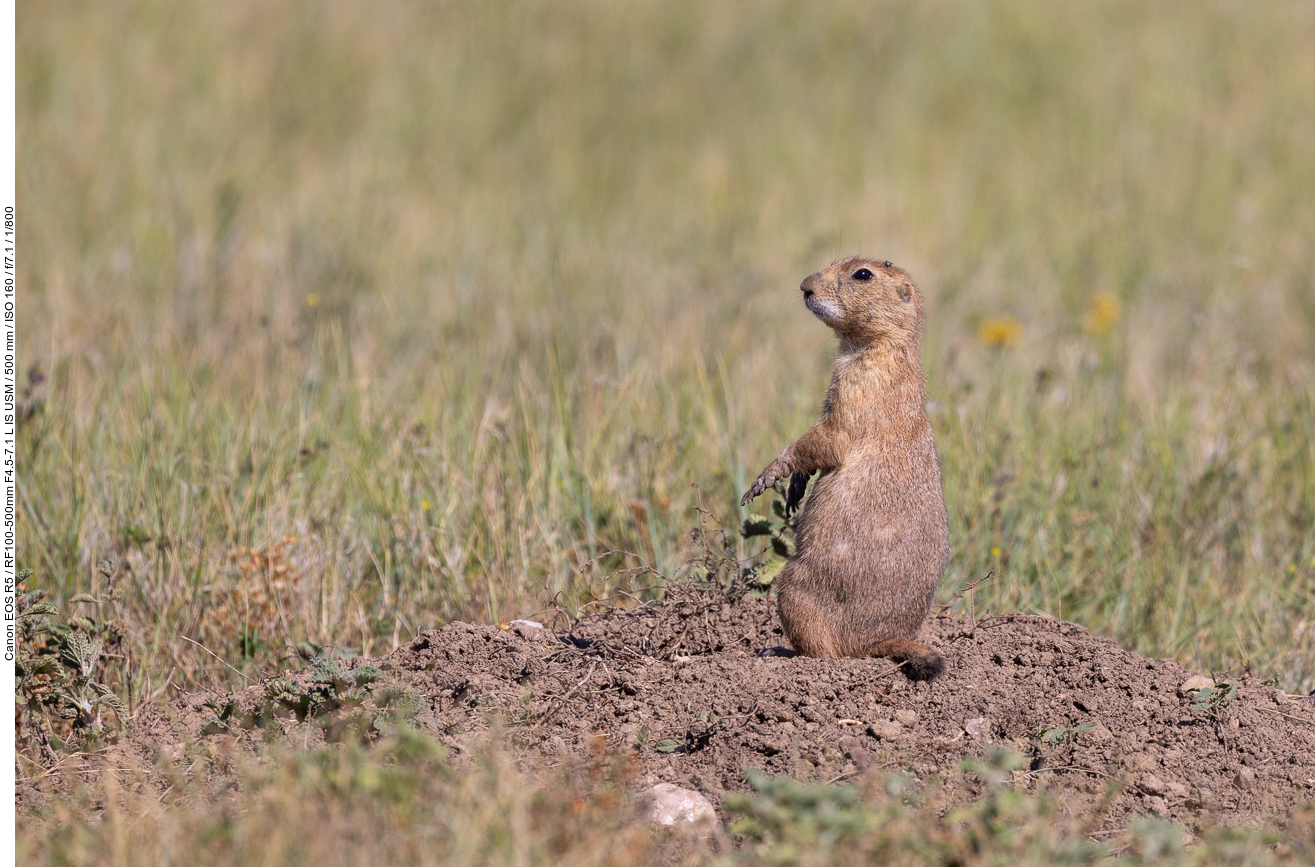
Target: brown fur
(872, 538)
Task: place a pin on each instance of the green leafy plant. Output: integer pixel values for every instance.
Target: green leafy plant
(348, 703)
(1065, 735)
(720, 562)
(779, 528)
(63, 703)
(785, 822)
(1214, 700)
(694, 739)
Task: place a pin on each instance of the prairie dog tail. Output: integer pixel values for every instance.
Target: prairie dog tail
(923, 662)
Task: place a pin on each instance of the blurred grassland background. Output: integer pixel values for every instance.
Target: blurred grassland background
(341, 321)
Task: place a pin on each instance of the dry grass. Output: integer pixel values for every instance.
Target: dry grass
(402, 802)
(398, 803)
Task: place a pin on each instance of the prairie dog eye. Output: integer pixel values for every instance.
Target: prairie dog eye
(862, 275)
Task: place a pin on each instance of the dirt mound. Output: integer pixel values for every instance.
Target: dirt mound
(682, 688)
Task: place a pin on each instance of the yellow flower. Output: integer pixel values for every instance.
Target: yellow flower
(1291, 569)
(312, 300)
(1102, 314)
(424, 505)
(995, 552)
(1000, 331)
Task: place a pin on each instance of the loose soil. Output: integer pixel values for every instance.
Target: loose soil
(681, 687)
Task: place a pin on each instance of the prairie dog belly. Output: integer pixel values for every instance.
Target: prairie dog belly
(859, 527)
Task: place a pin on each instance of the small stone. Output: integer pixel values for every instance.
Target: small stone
(1194, 684)
(885, 730)
(1244, 778)
(906, 717)
(1086, 703)
(668, 804)
(1280, 697)
(1157, 805)
(531, 624)
(976, 727)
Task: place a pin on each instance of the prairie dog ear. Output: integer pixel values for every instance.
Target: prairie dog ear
(905, 290)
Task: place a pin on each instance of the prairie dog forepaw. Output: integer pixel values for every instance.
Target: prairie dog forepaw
(764, 481)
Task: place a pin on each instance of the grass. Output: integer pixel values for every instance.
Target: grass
(400, 800)
(344, 321)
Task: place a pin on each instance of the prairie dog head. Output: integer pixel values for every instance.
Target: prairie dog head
(865, 301)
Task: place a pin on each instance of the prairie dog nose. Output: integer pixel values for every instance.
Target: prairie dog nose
(809, 282)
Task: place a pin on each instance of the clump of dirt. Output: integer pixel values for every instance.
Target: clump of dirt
(681, 686)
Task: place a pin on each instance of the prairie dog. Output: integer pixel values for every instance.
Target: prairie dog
(872, 539)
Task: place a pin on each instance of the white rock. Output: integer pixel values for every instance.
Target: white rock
(1193, 684)
(976, 727)
(531, 624)
(668, 804)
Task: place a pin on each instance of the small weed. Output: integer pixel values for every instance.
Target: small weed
(1065, 735)
(694, 739)
(352, 704)
(779, 529)
(1214, 700)
(788, 822)
(59, 673)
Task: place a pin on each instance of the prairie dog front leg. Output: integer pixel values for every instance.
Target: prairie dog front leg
(819, 449)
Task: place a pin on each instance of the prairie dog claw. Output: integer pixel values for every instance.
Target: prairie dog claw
(763, 482)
